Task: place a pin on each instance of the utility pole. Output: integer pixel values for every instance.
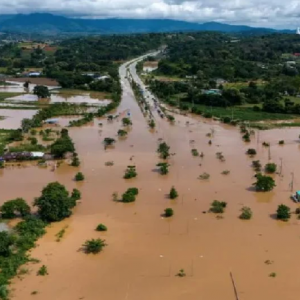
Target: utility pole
(234, 286)
(292, 182)
(280, 166)
(269, 152)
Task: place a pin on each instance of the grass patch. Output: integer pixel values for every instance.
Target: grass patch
(5, 95)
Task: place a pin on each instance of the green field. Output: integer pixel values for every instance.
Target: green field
(5, 95)
(4, 134)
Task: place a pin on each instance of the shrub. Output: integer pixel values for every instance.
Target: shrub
(33, 141)
(225, 172)
(217, 207)
(246, 137)
(130, 172)
(195, 152)
(163, 168)
(169, 212)
(181, 273)
(270, 168)
(126, 122)
(94, 246)
(283, 212)
(163, 150)
(101, 227)
(109, 141)
(265, 144)
(42, 271)
(10, 209)
(75, 160)
(76, 195)
(246, 213)
(6, 241)
(129, 195)
(207, 115)
(79, 177)
(273, 274)
(204, 176)
(281, 142)
(256, 165)
(251, 151)
(173, 193)
(152, 124)
(122, 132)
(264, 183)
(171, 118)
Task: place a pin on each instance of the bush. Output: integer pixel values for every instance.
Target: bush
(251, 151)
(126, 122)
(122, 132)
(129, 195)
(101, 227)
(283, 212)
(217, 207)
(79, 177)
(270, 168)
(6, 241)
(281, 142)
(152, 124)
(264, 183)
(207, 115)
(42, 271)
(163, 168)
(163, 150)
(256, 165)
(169, 212)
(33, 141)
(246, 137)
(173, 193)
(130, 172)
(94, 246)
(76, 195)
(246, 213)
(62, 145)
(10, 209)
(75, 160)
(195, 152)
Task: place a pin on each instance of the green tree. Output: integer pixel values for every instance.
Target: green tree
(163, 168)
(152, 124)
(163, 150)
(126, 122)
(79, 177)
(129, 195)
(218, 207)
(246, 213)
(62, 146)
(173, 193)
(75, 160)
(270, 168)
(109, 141)
(42, 271)
(10, 209)
(283, 212)
(41, 91)
(54, 204)
(264, 183)
(130, 172)
(122, 132)
(6, 241)
(169, 212)
(101, 227)
(94, 246)
(26, 124)
(76, 195)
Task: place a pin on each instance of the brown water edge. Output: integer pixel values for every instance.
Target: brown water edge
(144, 250)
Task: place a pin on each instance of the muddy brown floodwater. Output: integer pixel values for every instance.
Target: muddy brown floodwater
(145, 251)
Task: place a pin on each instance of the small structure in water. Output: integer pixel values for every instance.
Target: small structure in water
(51, 121)
(296, 197)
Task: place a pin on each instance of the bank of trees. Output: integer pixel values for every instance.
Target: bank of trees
(54, 204)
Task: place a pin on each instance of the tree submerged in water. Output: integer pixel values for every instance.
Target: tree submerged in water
(163, 150)
(163, 168)
(264, 183)
(130, 172)
(41, 91)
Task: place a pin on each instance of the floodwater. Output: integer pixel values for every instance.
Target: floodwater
(145, 251)
(17, 87)
(13, 117)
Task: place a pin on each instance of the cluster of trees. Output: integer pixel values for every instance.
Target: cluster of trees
(258, 61)
(54, 204)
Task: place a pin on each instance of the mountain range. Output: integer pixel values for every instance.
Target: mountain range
(52, 24)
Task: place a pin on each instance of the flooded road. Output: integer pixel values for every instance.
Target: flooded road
(145, 251)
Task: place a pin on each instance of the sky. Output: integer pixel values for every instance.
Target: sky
(260, 13)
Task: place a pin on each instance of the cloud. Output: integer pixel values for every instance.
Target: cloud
(267, 13)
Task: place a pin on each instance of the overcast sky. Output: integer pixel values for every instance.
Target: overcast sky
(265, 13)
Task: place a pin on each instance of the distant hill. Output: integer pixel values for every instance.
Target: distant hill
(52, 24)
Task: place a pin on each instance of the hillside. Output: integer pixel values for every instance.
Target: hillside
(52, 24)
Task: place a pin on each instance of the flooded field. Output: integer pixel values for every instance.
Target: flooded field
(145, 250)
(13, 117)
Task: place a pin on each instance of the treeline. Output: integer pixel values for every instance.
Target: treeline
(215, 55)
